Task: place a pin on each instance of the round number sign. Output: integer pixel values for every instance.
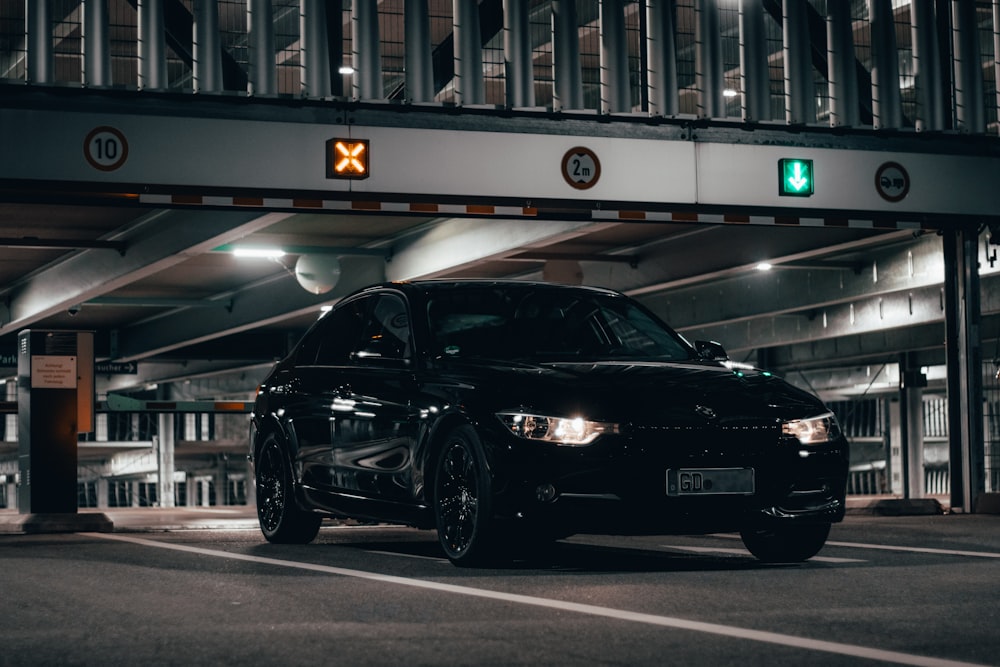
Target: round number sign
(105, 148)
(581, 168)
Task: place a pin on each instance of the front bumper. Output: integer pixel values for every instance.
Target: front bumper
(620, 487)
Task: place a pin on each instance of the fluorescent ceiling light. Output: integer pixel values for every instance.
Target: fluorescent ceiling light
(729, 92)
(270, 253)
(765, 266)
(345, 69)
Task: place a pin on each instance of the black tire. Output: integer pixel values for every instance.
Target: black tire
(281, 519)
(463, 501)
(786, 544)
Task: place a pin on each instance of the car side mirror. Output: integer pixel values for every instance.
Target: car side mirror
(711, 350)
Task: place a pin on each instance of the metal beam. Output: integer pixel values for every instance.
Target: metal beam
(753, 294)
(253, 307)
(162, 239)
(456, 243)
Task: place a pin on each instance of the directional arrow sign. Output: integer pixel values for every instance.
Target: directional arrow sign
(116, 368)
(795, 177)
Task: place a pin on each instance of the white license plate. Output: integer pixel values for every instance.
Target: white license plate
(710, 481)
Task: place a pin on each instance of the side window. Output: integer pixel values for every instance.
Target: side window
(338, 334)
(387, 331)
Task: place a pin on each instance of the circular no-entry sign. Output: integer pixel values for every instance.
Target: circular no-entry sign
(892, 182)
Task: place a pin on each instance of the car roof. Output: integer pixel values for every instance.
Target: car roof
(451, 283)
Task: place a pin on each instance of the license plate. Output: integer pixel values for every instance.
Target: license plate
(710, 481)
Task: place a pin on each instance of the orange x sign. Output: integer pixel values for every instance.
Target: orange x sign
(347, 158)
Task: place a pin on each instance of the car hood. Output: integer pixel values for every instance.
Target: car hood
(673, 393)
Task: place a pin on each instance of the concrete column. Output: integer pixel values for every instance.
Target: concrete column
(517, 54)
(152, 46)
(843, 76)
(661, 50)
(102, 492)
(708, 60)
(567, 79)
(970, 112)
(96, 55)
(262, 78)
(912, 413)
(165, 465)
(207, 47)
(800, 92)
(616, 93)
(930, 113)
(314, 50)
(886, 105)
(418, 66)
(367, 61)
(38, 27)
(964, 363)
(468, 53)
(755, 80)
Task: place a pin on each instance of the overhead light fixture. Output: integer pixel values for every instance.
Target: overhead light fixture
(765, 266)
(345, 69)
(268, 253)
(729, 92)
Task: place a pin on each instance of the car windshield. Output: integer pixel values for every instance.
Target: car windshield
(538, 323)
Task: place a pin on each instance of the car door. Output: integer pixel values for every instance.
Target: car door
(316, 388)
(374, 425)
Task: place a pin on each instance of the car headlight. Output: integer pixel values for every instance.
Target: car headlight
(574, 431)
(814, 430)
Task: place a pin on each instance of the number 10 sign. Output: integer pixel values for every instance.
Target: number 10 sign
(105, 148)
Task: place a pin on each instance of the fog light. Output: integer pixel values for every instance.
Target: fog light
(545, 493)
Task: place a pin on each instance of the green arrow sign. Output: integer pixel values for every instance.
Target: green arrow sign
(795, 177)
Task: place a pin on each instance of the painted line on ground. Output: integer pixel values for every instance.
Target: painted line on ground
(789, 641)
(917, 550)
(895, 547)
(744, 552)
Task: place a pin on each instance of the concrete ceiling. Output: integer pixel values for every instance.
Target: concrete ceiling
(162, 295)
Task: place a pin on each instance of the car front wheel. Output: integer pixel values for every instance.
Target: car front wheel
(281, 520)
(786, 544)
(462, 500)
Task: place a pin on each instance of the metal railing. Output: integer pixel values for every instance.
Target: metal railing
(877, 65)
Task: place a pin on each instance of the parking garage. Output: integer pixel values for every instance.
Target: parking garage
(813, 186)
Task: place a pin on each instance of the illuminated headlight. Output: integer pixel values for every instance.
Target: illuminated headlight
(575, 431)
(813, 431)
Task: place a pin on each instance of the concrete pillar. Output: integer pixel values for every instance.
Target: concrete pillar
(661, 50)
(165, 444)
(263, 74)
(207, 47)
(754, 76)
(418, 66)
(96, 54)
(843, 76)
(963, 355)
(152, 46)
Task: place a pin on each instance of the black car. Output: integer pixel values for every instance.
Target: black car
(507, 414)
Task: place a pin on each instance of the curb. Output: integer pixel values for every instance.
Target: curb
(21, 524)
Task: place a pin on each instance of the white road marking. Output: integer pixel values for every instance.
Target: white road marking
(893, 547)
(592, 610)
(396, 553)
(916, 550)
(744, 552)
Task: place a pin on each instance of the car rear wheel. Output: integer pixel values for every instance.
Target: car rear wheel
(281, 520)
(462, 500)
(786, 544)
